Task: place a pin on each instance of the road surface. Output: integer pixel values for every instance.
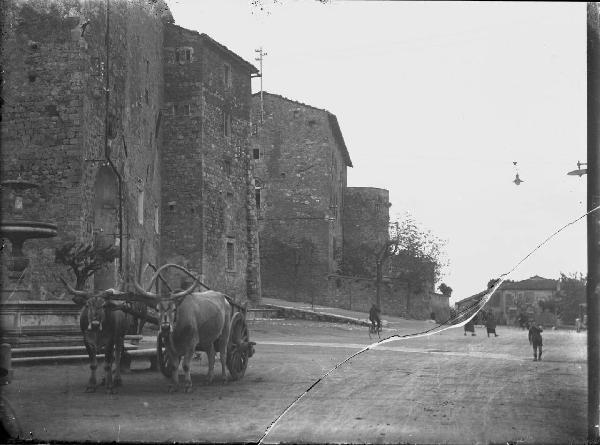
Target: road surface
(446, 388)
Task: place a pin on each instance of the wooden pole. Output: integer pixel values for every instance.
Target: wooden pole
(593, 220)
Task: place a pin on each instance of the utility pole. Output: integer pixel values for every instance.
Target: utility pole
(259, 59)
(593, 219)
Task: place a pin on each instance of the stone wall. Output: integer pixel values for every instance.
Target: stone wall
(207, 188)
(358, 294)
(366, 221)
(300, 170)
(53, 123)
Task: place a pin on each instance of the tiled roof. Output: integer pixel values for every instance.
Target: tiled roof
(220, 47)
(472, 298)
(534, 283)
(335, 126)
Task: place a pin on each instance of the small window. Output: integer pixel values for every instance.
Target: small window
(257, 196)
(181, 110)
(188, 55)
(529, 297)
(156, 226)
(176, 56)
(146, 96)
(228, 167)
(256, 153)
(230, 256)
(141, 207)
(226, 124)
(158, 121)
(227, 75)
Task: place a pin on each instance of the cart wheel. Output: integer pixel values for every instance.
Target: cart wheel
(240, 347)
(161, 354)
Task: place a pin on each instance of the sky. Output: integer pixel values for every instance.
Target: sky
(436, 100)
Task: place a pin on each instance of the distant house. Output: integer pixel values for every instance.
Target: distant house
(465, 303)
(519, 297)
(515, 297)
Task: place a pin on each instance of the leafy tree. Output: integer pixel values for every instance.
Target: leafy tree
(445, 289)
(415, 254)
(389, 248)
(570, 296)
(418, 258)
(85, 259)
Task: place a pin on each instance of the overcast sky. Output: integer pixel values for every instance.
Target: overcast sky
(435, 102)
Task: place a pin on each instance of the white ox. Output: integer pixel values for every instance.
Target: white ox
(193, 321)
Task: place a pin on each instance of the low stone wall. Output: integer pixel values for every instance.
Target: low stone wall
(302, 314)
(25, 322)
(359, 293)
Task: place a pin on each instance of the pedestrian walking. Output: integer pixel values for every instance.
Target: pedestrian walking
(470, 327)
(535, 340)
(490, 325)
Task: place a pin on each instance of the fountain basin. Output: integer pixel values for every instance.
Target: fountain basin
(24, 230)
(19, 231)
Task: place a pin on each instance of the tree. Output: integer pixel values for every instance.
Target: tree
(445, 289)
(416, 256)
(571, 294)
(389, 248)
(419, 259)
(85, 259)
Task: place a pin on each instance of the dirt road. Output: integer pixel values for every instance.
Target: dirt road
(446, 388)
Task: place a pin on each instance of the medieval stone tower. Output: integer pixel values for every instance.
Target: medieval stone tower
(366, 220)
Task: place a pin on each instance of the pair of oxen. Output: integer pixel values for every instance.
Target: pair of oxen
(191, 321)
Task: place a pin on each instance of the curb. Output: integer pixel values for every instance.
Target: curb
(303, 314)
(51, 359)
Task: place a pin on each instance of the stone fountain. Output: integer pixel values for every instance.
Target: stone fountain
(26, 319)
(19, 230)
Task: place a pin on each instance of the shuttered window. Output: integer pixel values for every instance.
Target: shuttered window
(230, 255)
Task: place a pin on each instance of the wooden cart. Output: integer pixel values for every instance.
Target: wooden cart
(239, 348)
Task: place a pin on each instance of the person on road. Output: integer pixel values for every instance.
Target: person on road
(535, 339)
(374, 317)
(490, 325)
(470, 327)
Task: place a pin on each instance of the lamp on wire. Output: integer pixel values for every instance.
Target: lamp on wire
(517, 179)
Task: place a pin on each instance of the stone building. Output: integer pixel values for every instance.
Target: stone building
(82, 98)
(319, 239)
(300, 161)
(366, 222)
(515, 297)
(208, 207)
(519, 298)
(137, 132)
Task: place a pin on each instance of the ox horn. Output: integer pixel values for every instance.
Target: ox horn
(183, 293)
(158, 271)
(188, 273)
(144, 292)
(158, 276)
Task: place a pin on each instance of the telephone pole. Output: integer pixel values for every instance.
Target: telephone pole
(259, 59)
(593, 219)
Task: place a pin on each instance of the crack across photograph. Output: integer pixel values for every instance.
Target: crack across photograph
(376, 236)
